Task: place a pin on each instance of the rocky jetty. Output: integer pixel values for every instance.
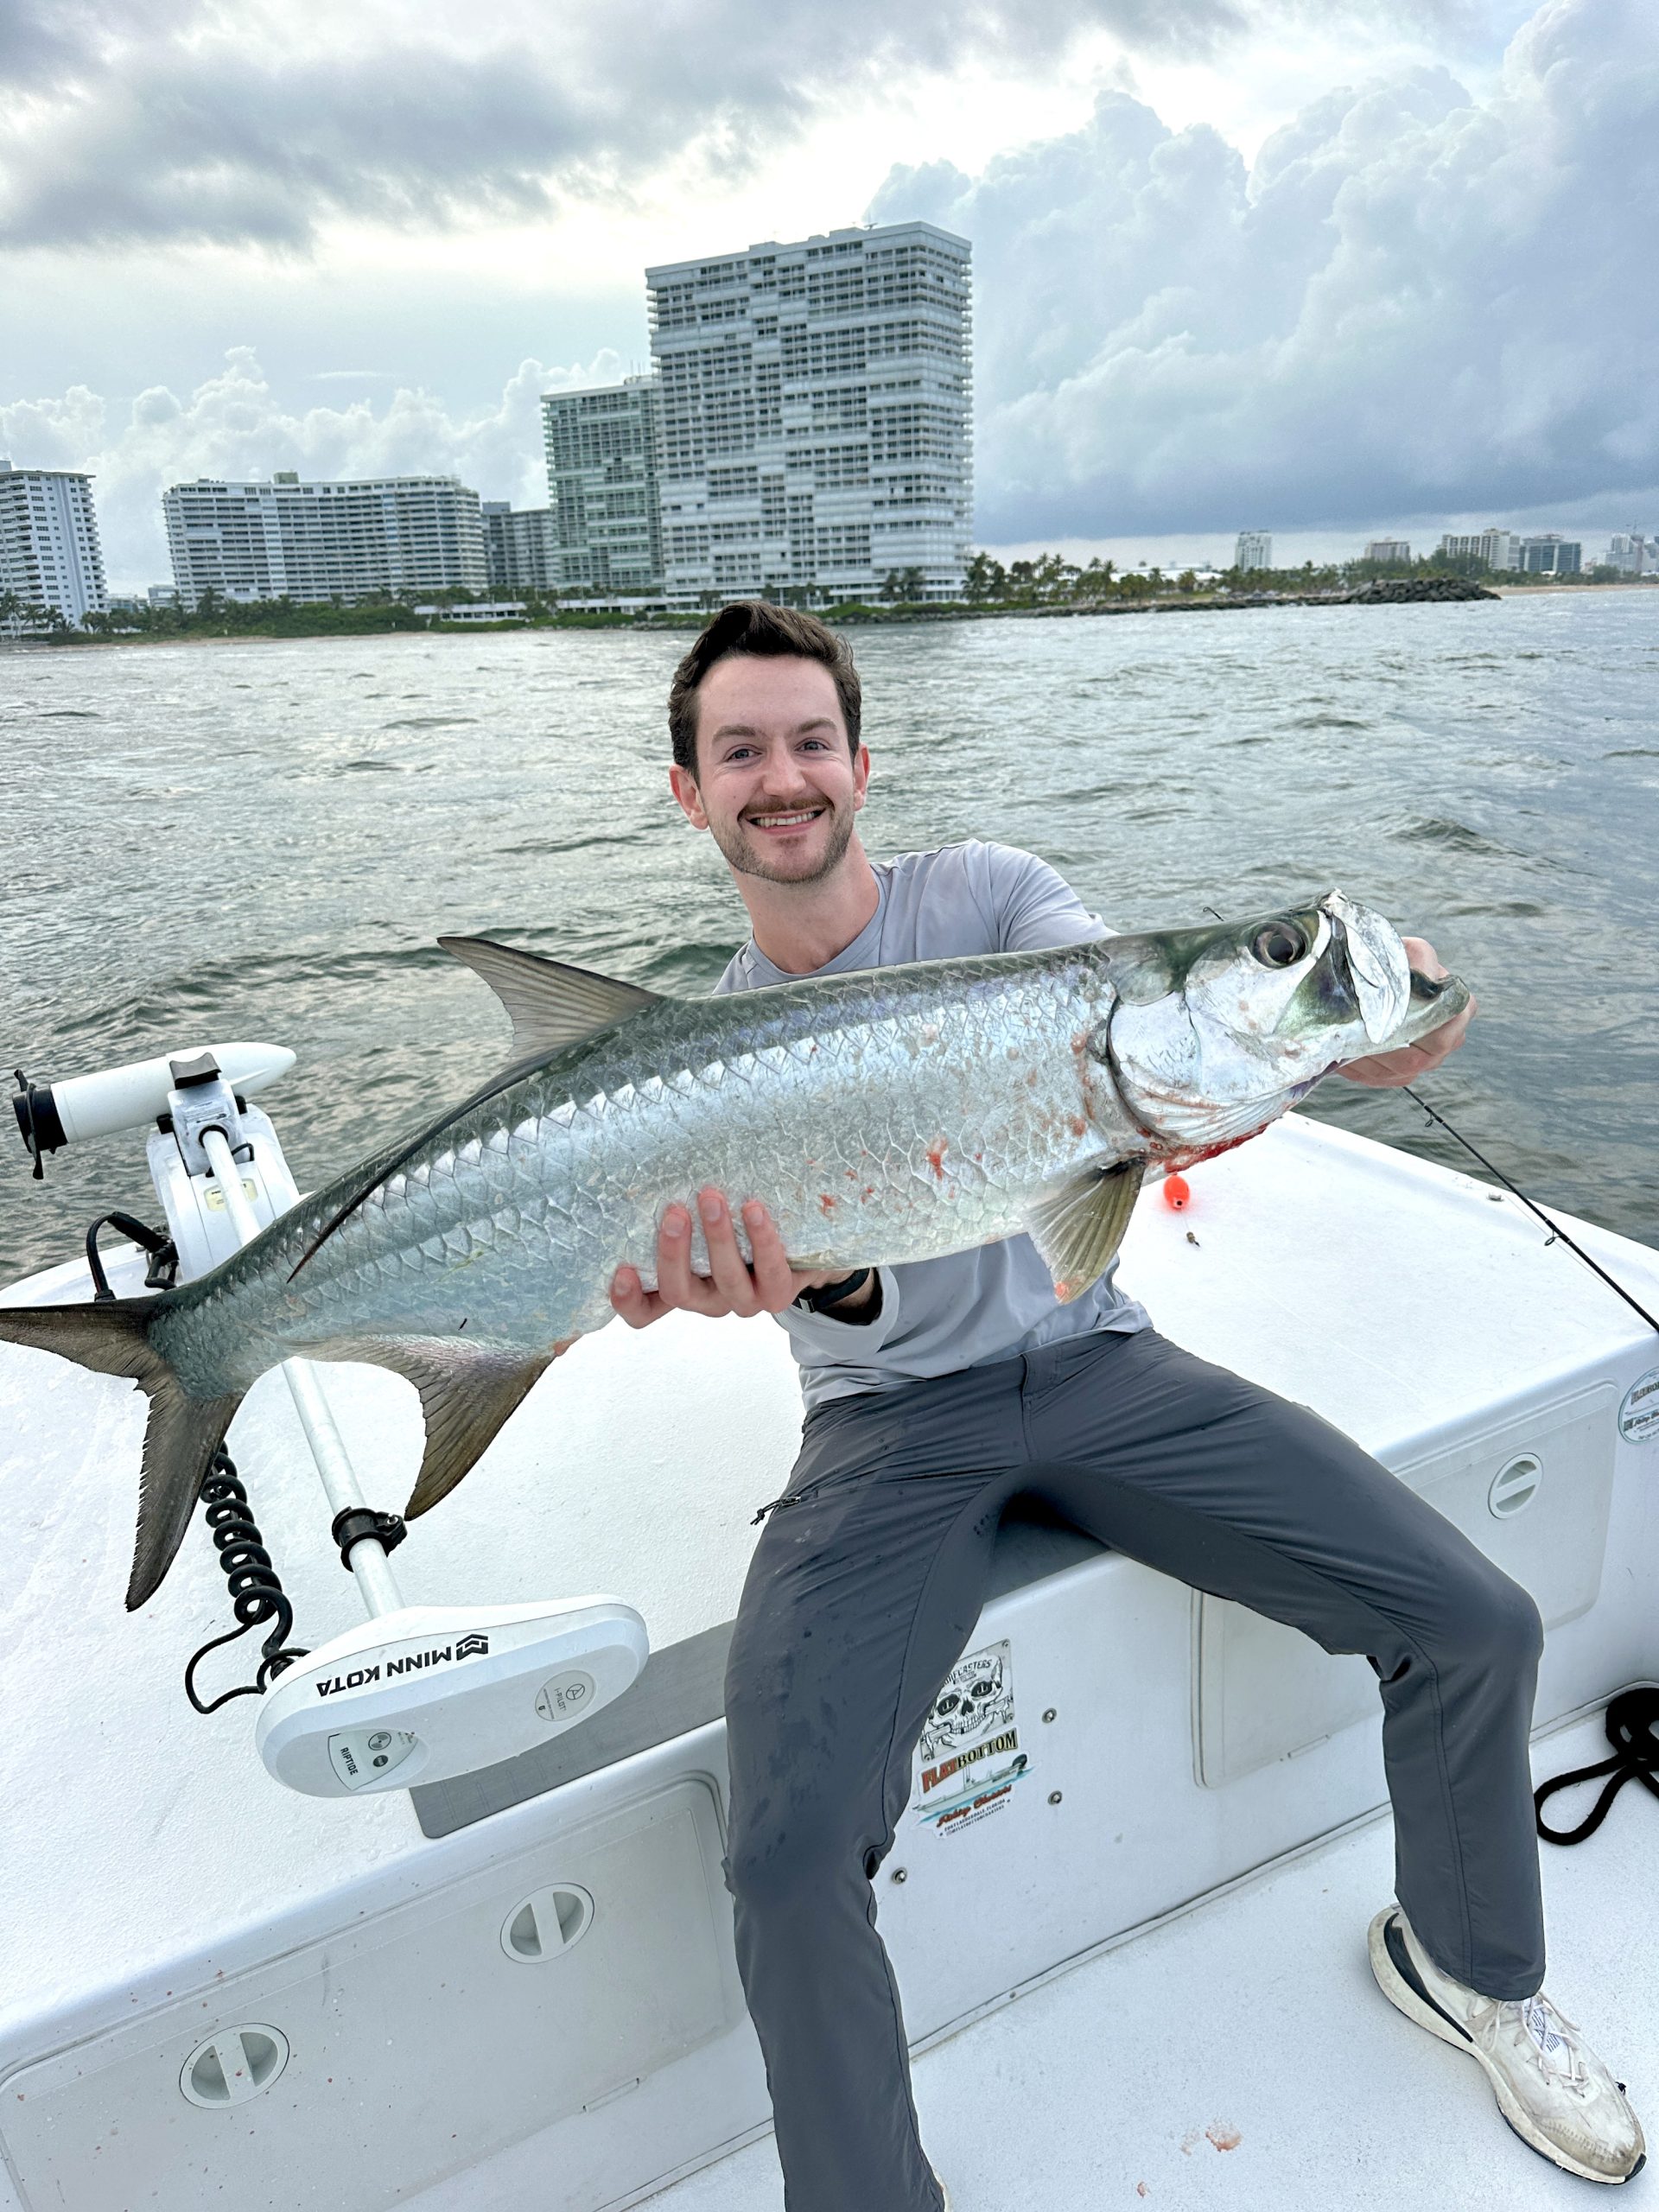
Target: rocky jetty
(1402, 591)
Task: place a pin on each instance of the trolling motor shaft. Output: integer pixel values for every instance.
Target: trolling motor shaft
(418, 1693)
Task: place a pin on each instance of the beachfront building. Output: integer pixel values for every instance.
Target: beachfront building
(1633, 553)
(1495, 549)
(317, 543)
(521, 547)
(1551, 554)
(1254, 549)
(474, 611)
(601, 488)
(1387, 548)
(51, 567)
(816, 433)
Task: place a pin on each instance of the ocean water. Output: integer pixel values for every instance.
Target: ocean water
(262, 840)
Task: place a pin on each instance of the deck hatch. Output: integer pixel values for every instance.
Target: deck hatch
(383, 2057)
(1534, 1491)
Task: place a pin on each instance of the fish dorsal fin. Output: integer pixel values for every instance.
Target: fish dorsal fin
(549, 1002)
(1078, 1226)
(468, 1391)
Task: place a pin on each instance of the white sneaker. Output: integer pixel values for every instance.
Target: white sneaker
(1550, 2086)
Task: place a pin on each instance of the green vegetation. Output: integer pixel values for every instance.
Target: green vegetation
(1046, 586)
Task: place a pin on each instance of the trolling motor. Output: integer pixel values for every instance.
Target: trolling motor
(418, 1693)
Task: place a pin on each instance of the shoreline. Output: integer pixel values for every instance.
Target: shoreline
(860, 618)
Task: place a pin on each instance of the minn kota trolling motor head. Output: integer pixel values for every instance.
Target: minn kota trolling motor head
(417, 1692)
(429, 1692)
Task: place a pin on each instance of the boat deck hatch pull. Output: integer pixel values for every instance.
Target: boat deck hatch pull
(1515, 1486)
(233, 2065)
(549, 1921)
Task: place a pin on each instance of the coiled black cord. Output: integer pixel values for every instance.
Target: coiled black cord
(257, 1594)
(1632, 1723)
(160, 1274)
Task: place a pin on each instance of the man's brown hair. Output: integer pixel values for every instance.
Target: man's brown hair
(757, 627)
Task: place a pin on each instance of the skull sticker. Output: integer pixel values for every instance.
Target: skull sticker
(969, 1755)
(978, 1700)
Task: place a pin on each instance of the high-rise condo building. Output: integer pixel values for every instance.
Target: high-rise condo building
(313, 542)
(816, 433)
(1633, 553)
(601, 487)
(1498, 548)
(1387, 548)
(50, 563)
(1254, 549)
(1551, 554)
(521, 548)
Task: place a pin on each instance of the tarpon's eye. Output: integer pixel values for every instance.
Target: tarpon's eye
(1281, 944)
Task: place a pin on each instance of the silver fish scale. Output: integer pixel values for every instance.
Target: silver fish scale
(887, 1115)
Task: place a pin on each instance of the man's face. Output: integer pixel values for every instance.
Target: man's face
(777, 786)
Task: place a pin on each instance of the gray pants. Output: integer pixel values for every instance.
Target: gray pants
(866, 1586)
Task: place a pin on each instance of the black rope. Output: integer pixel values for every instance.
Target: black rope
(163, 1257)
(1632, 1723)
(256, 1595)
(1555, 1228)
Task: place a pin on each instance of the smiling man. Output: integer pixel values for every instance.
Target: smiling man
(937, 1390)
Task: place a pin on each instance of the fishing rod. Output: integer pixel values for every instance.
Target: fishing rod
(1556, 1232)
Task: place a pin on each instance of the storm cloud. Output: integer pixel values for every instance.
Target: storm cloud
(161, 120)
(1415, 302)
(1419, 300)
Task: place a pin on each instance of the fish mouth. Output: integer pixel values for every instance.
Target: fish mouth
(1377, 973)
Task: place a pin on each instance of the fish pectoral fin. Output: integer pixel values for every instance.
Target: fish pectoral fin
(550, 1003)
(468, 1391)
(1078, 1226)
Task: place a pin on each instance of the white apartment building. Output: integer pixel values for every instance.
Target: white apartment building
(815, 434)
(603, 449)
(313, 543)
(1387, 548)
(1634, 553)
(1254, 549)
(50, 561)
(1498, 548)
(521, 547)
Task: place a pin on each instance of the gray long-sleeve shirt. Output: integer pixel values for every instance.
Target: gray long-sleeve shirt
(938, 1316)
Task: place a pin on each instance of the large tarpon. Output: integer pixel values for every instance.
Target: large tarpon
(889, 1113)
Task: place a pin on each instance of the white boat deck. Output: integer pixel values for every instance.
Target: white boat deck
(148, 1859)
(1239, 2054)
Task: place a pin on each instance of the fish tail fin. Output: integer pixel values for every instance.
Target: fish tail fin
(182, 1433)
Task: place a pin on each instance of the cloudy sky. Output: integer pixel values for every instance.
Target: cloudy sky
(1325, 266)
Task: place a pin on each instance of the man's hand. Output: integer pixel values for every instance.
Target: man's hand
(730, 1286)
(1387, 1070)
